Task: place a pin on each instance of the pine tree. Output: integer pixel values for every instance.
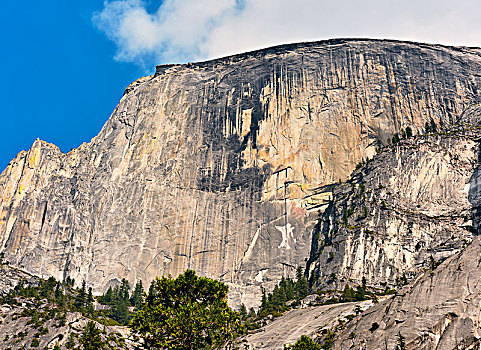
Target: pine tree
(409, 132)
(395, 138)
(124, 290)
(91, 338)
(299, 273)
(90, 302)
(107, 297)
(329, 340)
(433, 125)
(304, 343)
(281, 300)
(347, 294)
(302, 286)
(90, 297)
(427, 128)
(70, 281)
(119, 305)
(264, 299)
(58, 294)
(360, 294)
(188, 312)
(243, 311)
(81, 297)
(290, 289)
(137, 295)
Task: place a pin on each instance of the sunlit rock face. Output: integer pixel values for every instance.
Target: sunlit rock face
(440, 310)
(221, 166)
(411, 206)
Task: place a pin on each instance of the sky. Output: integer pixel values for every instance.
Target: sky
(65, 64)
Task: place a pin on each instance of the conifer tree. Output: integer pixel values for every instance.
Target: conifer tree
(264, 299)
(81, 297)
(360, 294)
(137, 295)
(107, 297)
(119, 305)
(409, 132)
(186, 313)
(90, 302)
(347, 294)
(91, 338)
(243, 311)
(124, 290)
(302, 286)
(304, 343)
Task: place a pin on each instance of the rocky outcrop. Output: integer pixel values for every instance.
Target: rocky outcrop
(440, 310)
(10, 277)
(219, 166)
(20, 331)
(310, 321)
(408, 208)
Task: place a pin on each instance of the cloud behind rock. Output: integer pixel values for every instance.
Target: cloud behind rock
(189, 30)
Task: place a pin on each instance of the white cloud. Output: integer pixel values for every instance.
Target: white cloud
(188, 30)
(175, 32)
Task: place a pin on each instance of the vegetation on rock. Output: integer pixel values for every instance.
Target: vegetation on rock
(91, 338)
(304, 343)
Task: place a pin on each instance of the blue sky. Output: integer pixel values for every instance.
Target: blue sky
(65, 64)
(59, 79)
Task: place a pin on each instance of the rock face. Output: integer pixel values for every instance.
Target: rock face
(308, 321)
(412, 205)
(440, 310)
(10, 277)
(221, 166)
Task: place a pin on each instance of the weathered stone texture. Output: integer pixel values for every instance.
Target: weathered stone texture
(216, 166)
(441, 310)
(411, 204)
(310, 321)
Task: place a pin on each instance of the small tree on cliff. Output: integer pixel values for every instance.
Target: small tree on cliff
(137, 295)
(401, 342)
(188, 312)
(303, 343)
(91, 338)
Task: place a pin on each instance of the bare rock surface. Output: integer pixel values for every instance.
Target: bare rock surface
(310, 321)
(413, 204)
(10, 277)
(440, 310)
(217, 166)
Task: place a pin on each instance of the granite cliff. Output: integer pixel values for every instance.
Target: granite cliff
(409, 218)
(225, 167)
(411, 206)
(439, 310)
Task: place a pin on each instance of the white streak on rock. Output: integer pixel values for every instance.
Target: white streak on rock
(286, 231)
